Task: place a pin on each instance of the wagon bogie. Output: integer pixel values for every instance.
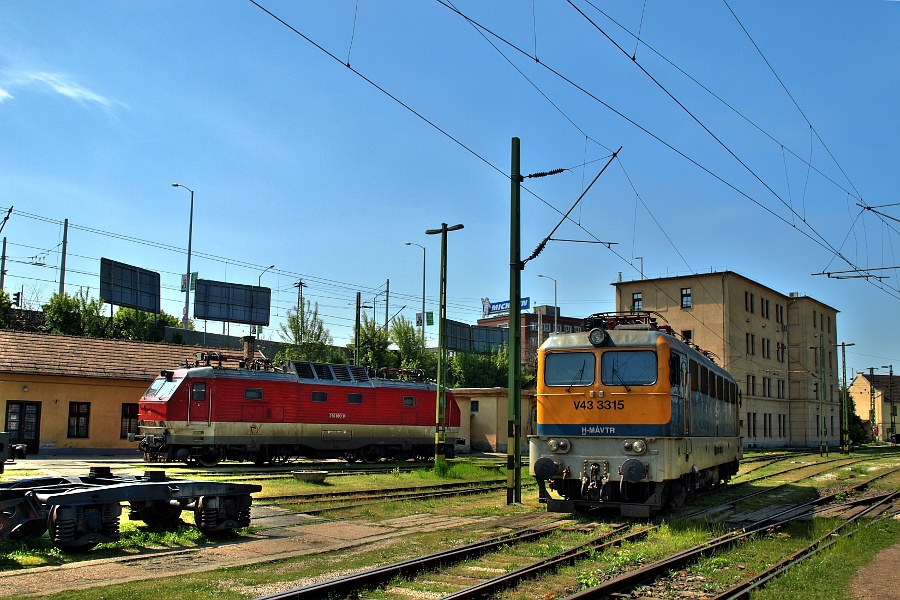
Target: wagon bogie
(81, 512)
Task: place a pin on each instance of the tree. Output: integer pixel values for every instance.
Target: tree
(374, 344)
(413, 353)
(74, 315)
(480, 369)
(139, 325)
(5, 303)
(306, 337)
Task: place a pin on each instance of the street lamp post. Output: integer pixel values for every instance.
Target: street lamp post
(555, 309)
(187, 283)
(258, 284)
(423, 287)
(440, 430)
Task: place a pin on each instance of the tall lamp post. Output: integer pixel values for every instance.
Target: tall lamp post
(555, 309)
(423, 287)
(187, 281)
(258, 284)
(440, 410)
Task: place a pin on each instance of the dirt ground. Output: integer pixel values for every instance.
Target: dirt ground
(880, 579)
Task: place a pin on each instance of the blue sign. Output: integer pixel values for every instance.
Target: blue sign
(490, 308)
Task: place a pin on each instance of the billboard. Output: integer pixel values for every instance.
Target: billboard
(129, 286)
(232, 302)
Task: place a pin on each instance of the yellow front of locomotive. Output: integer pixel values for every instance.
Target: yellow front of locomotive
(604, 400)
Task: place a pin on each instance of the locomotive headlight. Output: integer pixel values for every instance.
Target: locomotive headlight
(639, 446)
(597, 336)
(558, 445)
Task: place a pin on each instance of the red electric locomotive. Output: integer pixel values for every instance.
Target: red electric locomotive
(207, 413)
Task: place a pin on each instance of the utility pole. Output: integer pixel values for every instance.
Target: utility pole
(873, 428)
(3, 265)
(440, 407)
(514, 384)
(356, 342)
(62, 263)
(845, 401)
(301, 309)
(891, 400)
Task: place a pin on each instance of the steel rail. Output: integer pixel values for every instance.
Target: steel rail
(342, 586)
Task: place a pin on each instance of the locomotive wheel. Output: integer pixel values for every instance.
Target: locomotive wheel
(371, 454)
(677, 494)
(63, 529)
(160, 515)
(208, 460)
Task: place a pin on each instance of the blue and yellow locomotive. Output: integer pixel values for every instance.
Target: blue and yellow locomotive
(631, 417)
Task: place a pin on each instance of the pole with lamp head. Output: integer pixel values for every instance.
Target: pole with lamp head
(187, 281)
(440, 409)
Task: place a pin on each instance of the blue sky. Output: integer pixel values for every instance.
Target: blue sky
(297, 160)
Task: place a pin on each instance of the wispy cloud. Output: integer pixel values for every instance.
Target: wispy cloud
(60, 84)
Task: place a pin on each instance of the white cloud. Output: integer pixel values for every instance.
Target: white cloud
(60, 84)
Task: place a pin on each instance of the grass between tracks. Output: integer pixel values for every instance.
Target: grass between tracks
(825, 576)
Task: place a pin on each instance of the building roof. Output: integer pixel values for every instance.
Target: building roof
(882, 383)
(24, 352)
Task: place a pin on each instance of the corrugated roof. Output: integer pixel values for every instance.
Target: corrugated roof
(68, 356)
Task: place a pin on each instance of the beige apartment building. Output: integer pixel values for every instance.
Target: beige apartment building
(780, 348)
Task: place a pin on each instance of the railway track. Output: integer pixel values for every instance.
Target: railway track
(421, 571)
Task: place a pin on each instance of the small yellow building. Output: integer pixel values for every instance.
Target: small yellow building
(77, 395)
(876, 398)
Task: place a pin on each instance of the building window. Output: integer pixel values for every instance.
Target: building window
(532, 326)
(129, 420)
(253, 394)
(546, 327)
(829, 323)
(354, 399)
(814, 319)
(685, 297)
(319, 397)
(765, 386)
(567, 328)
(79, 417)
(749, 302)
(577, 329)
(687, 335)
(473, 406)
(636, 302)
(409, 400)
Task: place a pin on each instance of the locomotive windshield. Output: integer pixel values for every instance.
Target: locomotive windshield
(569, 368)
(628, 367)
(161, 388)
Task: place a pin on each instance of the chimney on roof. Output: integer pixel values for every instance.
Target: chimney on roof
(249, 348)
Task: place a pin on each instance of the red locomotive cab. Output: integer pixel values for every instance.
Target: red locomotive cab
(453, 413)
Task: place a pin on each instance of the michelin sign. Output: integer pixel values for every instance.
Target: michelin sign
(492, 308)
